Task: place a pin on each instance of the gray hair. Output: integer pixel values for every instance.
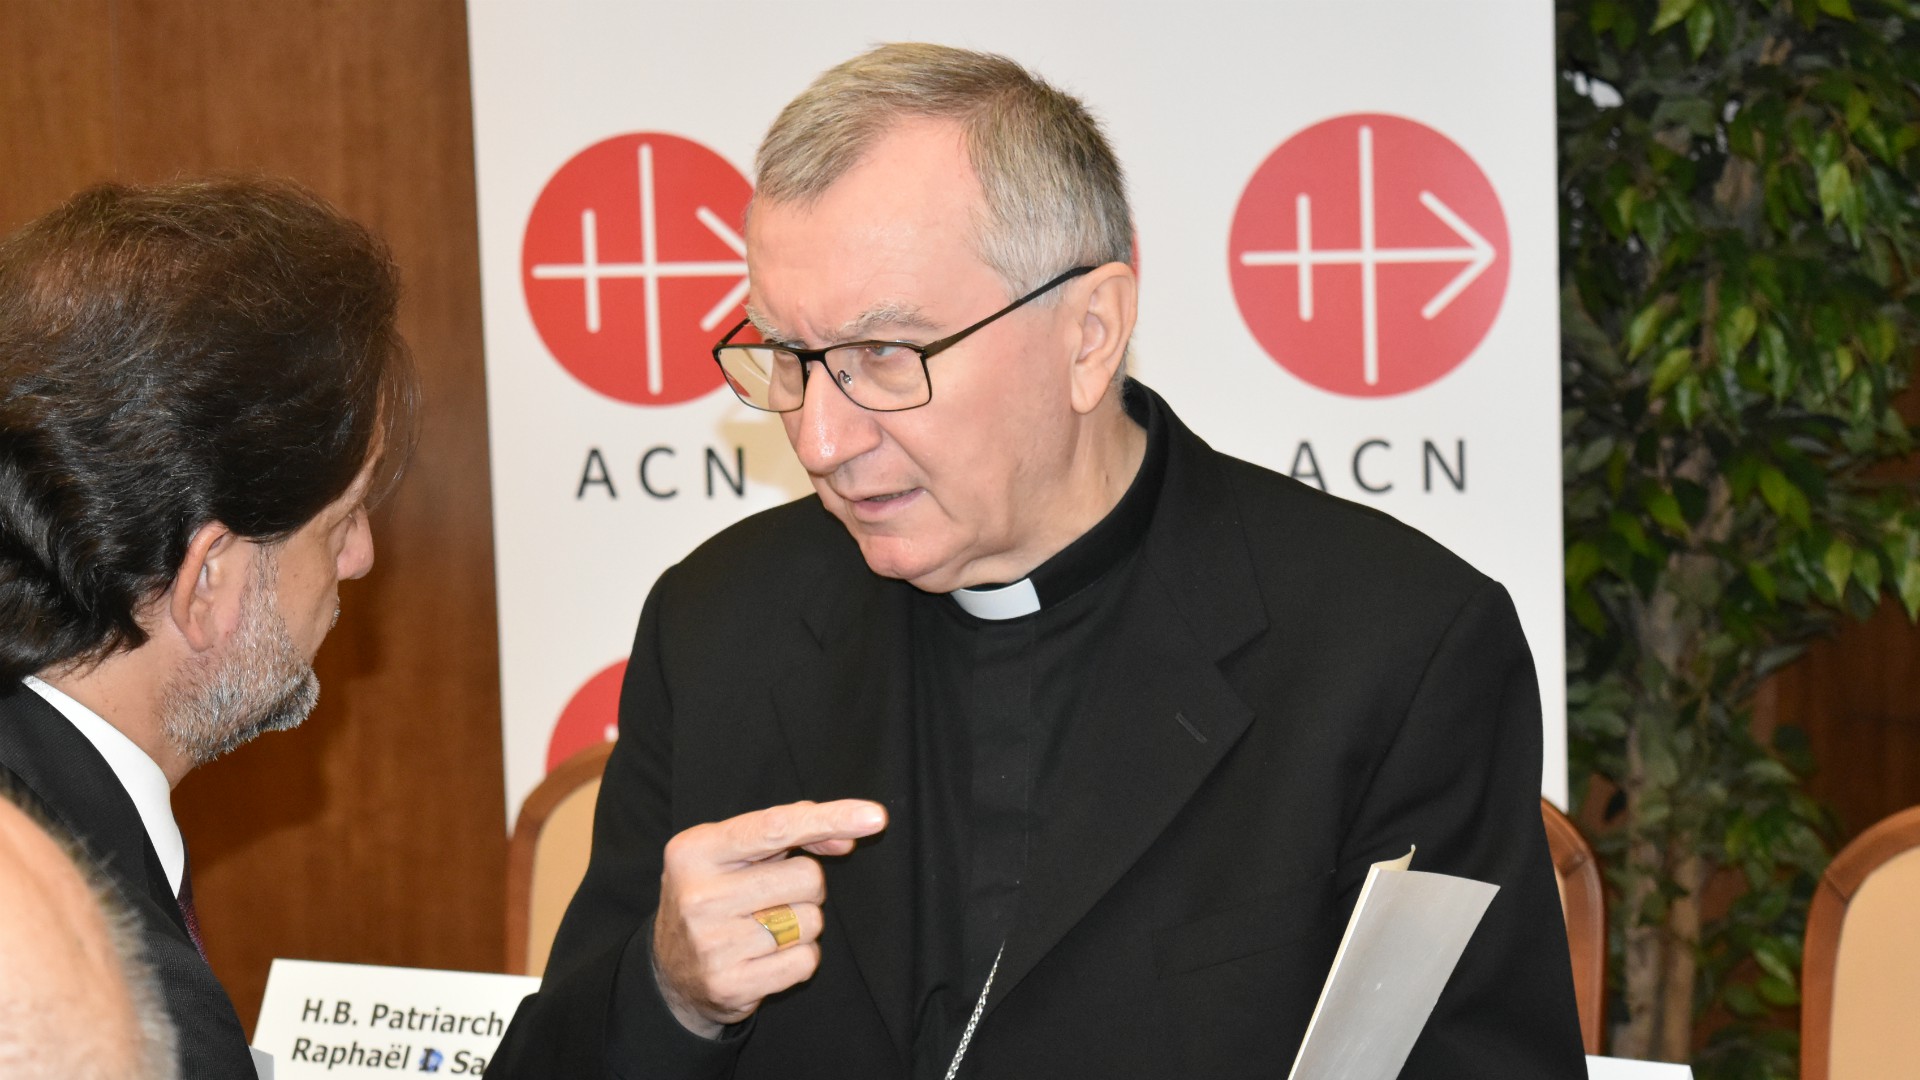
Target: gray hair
(1054, 196)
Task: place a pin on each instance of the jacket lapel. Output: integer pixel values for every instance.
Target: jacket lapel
(1159, 717)
(845, 710)
(74, 784)
(1159, 714)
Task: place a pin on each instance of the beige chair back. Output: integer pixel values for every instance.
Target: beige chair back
(1860, 1000)
(1584, 905)
(547, 857)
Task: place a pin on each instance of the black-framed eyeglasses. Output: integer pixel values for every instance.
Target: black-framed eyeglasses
(882, 376)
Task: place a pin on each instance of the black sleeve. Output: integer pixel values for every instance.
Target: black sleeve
(1462, 781)
(598, 1012)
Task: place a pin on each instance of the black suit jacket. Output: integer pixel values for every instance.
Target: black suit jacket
(1301, 686)
(58, 774)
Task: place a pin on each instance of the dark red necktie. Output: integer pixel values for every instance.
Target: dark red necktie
(186, 910)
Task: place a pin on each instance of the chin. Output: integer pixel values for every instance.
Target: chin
(896, 557)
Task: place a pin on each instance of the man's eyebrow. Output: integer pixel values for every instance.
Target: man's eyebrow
(892, 314)
(768, 332)
(887, 313)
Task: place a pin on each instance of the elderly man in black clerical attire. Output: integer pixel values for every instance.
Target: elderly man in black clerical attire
(201, 391)
(1045, 741)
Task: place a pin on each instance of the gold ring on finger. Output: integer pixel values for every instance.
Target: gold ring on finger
(782, 923)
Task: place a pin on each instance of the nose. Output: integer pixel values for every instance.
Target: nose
(828, 429)
(356, 555)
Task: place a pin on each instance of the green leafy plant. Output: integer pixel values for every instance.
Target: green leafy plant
(1740, 207)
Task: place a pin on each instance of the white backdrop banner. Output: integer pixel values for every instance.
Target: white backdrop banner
(1347, 241)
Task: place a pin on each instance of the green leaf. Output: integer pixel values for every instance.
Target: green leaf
(1627, 527)
(1776, 359)
(1744, 474)
(1880, 337)
(1592, 455)
(1583, 561)
(1624, 205)
(1672, 11)
(1784, 497)
(1700, 29)
(1687, 399)
(1866, 571)
(1859, 108)
(1763, 582)
(1776, 959)
(1640, 332)
(1839, 9)
(1836, 190)
(1838, 563)
(1765, 770)
(1910, 589)
(1736, 329)
(1665, 511)
(1742, 999)
(1662, 768)
(1586, 610)
(1779, 993)
(1672, 365)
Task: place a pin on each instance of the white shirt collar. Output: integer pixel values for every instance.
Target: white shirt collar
(142, 778)
(1006, 602)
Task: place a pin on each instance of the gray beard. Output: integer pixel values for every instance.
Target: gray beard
(260, 682)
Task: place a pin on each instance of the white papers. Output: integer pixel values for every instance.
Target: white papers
(1607, 1068)
(326, 1020)
(1407, 932)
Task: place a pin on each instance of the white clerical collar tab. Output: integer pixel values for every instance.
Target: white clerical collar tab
(1007, 602)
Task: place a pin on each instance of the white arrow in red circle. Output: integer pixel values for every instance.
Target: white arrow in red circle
(1478, 254)
(590, 270)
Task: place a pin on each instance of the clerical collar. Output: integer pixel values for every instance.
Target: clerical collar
(1100, 548)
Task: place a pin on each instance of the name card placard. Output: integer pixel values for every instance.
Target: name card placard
(1608, 1068)
(327, 1020)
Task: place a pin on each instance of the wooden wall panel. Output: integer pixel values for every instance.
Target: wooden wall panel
(1857, 695)
(56, 102)
(375, 833)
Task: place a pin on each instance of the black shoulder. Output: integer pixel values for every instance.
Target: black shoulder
(761, 562)
(1306, 542)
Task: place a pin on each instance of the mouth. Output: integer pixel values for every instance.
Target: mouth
(881, 506)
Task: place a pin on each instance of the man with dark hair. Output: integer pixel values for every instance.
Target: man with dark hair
(1097, 729)
(201, 392)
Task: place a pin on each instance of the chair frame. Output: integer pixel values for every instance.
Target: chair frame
(577, 771)
(1849, 870)
(1586, 909)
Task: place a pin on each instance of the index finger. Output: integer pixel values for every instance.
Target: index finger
(765, 834)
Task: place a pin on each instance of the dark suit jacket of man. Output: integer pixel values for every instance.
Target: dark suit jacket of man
(58, 774)
(1301, 687)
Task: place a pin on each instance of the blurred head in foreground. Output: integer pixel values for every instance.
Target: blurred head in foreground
(77, 1002)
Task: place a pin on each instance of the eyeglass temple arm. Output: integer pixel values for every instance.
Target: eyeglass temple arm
(936, 346)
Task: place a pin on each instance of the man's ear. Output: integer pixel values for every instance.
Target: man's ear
(1111, 296)
(205, 601)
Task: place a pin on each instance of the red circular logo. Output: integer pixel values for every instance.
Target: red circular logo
(592, 716)
(633, 265)
(1369, 255)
